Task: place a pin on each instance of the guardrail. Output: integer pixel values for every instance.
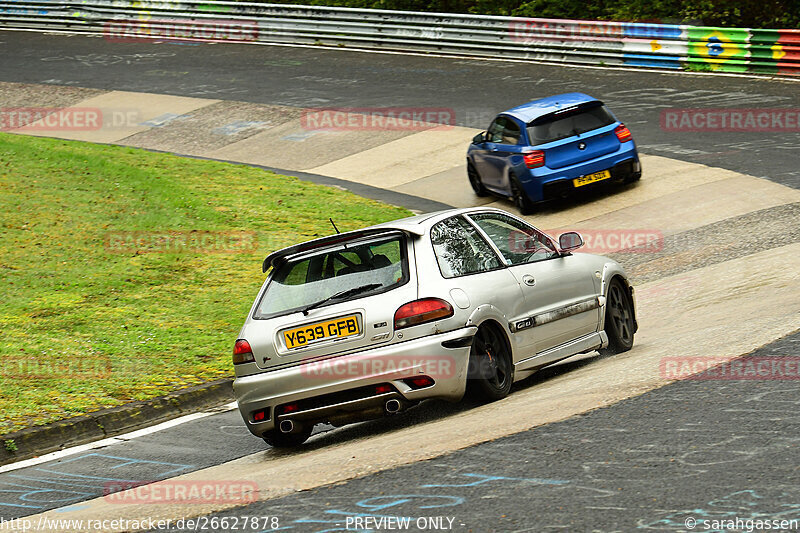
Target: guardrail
(667, 46)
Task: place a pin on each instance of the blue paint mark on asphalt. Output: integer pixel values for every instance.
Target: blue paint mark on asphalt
(43, 486)
(369, 506)
(485, 479)
(163, 120)
(405, 498)
(66, 481)
(743, 505)
(72, 508)
(124, 461)
(299, 137)
(237, 127)
(349, 513)
(30, 493)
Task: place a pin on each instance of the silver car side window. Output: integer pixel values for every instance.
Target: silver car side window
(517, 242)
(460, 250)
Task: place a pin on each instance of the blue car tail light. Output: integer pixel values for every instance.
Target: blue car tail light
(534, 159)
(623, 133)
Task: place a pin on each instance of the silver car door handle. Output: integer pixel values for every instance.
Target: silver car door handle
(527, 279)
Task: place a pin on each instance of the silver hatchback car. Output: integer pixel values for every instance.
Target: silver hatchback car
(373, 321)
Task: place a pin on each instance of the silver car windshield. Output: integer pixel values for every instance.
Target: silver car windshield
(379, 263)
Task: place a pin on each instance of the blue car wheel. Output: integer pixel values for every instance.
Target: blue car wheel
(520, 197)
(475, 180)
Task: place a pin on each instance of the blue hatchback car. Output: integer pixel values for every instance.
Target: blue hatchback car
(549, 148)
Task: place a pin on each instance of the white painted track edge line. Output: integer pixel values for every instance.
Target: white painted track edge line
(115, 440)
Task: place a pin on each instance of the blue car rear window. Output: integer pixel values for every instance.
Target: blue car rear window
(560, 126)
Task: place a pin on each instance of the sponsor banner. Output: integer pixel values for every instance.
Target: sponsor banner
(775, 51)
(643, 60)
(654, 53)
(658, 47)
(722, 49)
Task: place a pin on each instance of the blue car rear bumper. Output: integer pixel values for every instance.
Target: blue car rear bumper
(544, 183)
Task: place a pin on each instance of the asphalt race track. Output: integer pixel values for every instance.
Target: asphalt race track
(475, 89)
(593, 444)
(702, 450)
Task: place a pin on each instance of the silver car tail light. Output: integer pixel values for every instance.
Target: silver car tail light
(421, 311)
(242, 353)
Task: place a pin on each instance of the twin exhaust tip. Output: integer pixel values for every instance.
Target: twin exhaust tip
(391, 407)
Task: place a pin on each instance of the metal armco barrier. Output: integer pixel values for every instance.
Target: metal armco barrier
(667, 46)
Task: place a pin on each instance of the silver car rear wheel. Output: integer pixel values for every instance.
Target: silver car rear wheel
(491, 371)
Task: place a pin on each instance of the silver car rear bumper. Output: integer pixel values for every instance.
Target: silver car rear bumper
(424, 356)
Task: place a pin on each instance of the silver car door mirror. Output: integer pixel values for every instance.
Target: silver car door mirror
(570, 241)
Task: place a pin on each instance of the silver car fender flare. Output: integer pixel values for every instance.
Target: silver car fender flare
(610, 271)
(485, 312)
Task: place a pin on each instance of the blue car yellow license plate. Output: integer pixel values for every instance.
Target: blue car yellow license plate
(591, 178)
(346, 326)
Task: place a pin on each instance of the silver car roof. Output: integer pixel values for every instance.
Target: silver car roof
(415, 225)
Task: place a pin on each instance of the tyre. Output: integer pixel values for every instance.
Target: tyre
(475, 180)
(276, 439)
(520, 197)
(491, 370)
(619, 321)
(636, 176)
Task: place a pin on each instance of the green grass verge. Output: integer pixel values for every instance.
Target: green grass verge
(88, 322)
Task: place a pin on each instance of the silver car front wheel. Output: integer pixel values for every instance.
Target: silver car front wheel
(619, 323)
